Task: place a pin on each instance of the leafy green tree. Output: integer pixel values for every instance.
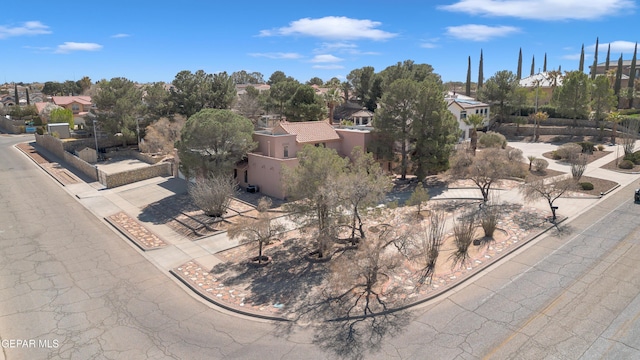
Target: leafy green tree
(315, 199)
(519, 73)
(191, 92)
(158, 101)
(602, 99)
(243, 77)
(279, 76)
(62, 115)
(119, 104)
(52, 88)
(615, 117)
(364, 184)
(394, 118)
(434, 130)
(305, 105)
(418, 197)
(408, 69)
(212, 141)
(499, 91)
(315, 81)
(573, 97)
(281, 92)
(84, 84)
(223, 91)
(361, 81)
(249, 104)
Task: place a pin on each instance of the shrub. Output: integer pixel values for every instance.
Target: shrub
(586, 185)
(39, 131)
(587, 147)
(569, 151)
(626, 164)
(600, 147)
(213, 195)
(539, 165)
(514, 154)
(492, 139)
(392, 205)
(555, 155)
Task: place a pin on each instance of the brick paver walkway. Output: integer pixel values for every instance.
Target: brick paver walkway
(136, 232)
(53, 168)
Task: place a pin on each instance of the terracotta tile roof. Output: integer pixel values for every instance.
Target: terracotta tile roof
(307, 131)
(66, 100)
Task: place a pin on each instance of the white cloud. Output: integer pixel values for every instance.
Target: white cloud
(326, 58)
(332, 27)
(27, 28)
(328, 67)
(619, 46)
(68, 47)
(575, 56)
(480, 32)
(428, 45)
(277, 55)
(118, 36)
(548, 10)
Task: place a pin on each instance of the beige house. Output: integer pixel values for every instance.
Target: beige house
(278, 147)
(463, 107)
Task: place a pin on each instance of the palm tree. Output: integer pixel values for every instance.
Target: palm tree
(333, 98)
(615, 117)
(475, 121)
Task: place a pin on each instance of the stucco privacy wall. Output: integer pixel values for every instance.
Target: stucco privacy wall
(134, 175)
(267, 173)
(56, 147)
(51, 144)
(83, 166)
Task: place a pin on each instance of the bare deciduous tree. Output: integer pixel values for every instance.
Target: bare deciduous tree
(161, 135)
(260, 230)
(578, 166)
(547, 189)
(213, 194)
(632, 126)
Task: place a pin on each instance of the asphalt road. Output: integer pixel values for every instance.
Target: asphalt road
(71, 288)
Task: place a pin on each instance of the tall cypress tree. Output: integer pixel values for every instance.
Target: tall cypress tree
(480, 72)
(595, 61)
(606, 65)
(519, 73)
(632, 77)
(544, 67)
(468, 88)
(15, 91)
(618, 82)
(533, 65)
(581, 66)
(27, 95)
(560, 69)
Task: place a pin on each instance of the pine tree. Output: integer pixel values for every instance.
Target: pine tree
(480, 72)
(595, 61)
(468, 88)
(632, 76)
(544, 67)
(581, 66)
(606, 65)
(519, 73)
(533, 65)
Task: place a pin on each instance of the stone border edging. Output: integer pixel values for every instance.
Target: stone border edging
(138, 242)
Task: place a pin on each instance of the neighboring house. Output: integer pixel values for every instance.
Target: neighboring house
(79, 105)
(278, 148)
(544, 83)
(463, 107)
(613, 66)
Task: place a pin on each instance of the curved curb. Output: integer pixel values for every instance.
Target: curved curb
(223, 305)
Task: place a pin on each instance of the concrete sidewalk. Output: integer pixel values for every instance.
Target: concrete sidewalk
(121, 208)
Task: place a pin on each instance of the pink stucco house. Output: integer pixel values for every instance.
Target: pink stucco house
(277, 148)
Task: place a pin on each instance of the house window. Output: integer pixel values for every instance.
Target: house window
(75, 107)
(463, 115)
(286, 151)
(476, 111)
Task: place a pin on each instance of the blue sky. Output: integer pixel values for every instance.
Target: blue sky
(153, 41)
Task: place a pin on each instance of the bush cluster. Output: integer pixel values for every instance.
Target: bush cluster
(587, 147)
(626, 164)
(634, 158)
(492, 139)
(539, 165)
(586, 186)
